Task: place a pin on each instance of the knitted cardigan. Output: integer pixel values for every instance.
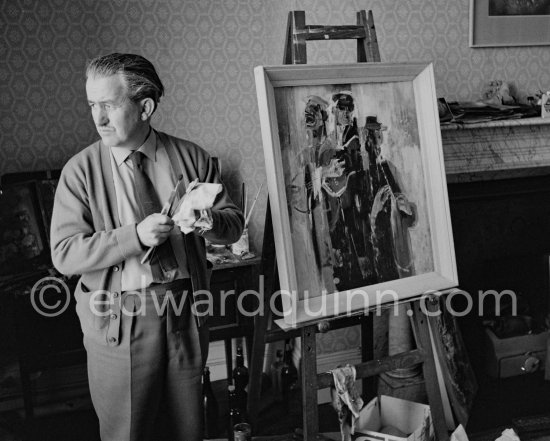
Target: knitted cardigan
(88, 240)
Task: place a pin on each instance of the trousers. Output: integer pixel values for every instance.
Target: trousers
(148, 388)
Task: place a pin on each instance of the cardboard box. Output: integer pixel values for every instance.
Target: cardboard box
(412, 419)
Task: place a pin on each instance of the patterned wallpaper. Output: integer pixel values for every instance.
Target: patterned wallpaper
(205, 52)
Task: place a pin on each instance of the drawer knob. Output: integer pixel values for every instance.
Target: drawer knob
(530, 364)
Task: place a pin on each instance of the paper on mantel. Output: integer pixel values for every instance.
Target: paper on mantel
(199, 197)
(508, 435)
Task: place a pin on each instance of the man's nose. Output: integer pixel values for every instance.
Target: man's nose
(100, 117)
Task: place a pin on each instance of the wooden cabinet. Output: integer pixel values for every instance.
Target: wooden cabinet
(228, 282)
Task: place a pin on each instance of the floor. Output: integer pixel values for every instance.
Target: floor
(498, 405)
(81, 423)
(500, 402)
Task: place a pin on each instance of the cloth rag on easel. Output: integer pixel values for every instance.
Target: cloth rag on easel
(347, 401)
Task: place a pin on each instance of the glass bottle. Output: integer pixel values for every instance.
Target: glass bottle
(276, 367)
(210, 406)
(289, 373)
(240, 380)
(235, 415)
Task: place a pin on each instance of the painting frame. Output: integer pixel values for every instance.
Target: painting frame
(419, 78)
(23, 245)
(488, 30)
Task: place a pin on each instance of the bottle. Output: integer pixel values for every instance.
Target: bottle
(289, 373)
(276, 367)
(210, 406)
(235, 415)
(240, 380)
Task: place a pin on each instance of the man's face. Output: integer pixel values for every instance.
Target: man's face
(379, 137)
(118, 119)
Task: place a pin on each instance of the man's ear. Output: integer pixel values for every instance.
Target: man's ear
(147, 108)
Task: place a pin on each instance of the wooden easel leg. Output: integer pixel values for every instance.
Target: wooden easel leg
(268, 271)
(367, 353)
(423, 342)
(309, 383)
(295, 45)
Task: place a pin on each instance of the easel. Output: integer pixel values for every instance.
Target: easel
(295, 53)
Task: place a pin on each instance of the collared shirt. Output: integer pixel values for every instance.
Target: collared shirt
(157, 166)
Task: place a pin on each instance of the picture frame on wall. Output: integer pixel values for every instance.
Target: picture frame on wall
(22, 245)
(496, 23)
(356, 184)
(26, 204)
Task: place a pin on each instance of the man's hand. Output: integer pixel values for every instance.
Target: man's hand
(154, 229)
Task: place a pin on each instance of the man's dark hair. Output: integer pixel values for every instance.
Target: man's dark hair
(139, 73)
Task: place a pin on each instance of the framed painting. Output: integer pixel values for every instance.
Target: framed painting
(26, 203)
(22, 243)
(356, 184)
(509, 23)
(454, 371)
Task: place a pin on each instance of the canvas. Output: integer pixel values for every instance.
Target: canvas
(356, 185)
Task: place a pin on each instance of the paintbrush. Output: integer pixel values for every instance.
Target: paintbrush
(245, 199)
(166, 210)
(252, 207)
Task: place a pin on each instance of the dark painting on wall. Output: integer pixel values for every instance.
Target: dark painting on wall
(509, 23)
(21, 240)
(26, 204)
(519, 7)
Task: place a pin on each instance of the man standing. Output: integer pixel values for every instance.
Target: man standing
(144, 362)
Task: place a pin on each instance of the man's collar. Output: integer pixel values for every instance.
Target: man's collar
(148, 148)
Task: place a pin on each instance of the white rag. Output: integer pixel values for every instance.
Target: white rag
(348, 402)
(199, 197)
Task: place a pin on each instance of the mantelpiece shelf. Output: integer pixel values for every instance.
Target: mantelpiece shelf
(521, 122)
(496, 149)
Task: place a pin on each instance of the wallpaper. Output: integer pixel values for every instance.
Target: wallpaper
(205, 52)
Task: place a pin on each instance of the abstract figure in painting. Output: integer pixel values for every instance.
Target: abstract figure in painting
(345, 187)
(317, 159)
(391, 214)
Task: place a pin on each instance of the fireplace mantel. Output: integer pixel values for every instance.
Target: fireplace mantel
(496, 149)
